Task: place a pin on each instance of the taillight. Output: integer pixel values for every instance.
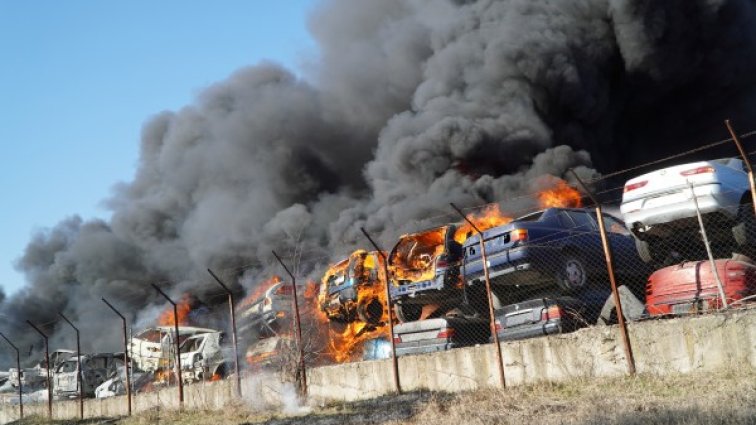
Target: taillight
(445, 333)
(397, 339)
(441, 263)
(634, 186)
(518, 235)
(553, 312)
(700, 170)
(497, 326)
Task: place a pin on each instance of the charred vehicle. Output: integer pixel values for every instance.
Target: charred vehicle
(205, 356)
(37, 375)
(424, 271)
(154, 349)
(353, 289)
(267, 313)
(269, 352)
(95, 369)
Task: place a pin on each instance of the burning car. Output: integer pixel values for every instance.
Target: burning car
(424, 270)
(95, 369)
(153, 348)
(264, 310)
(37, 375)
(115, 385)
(353, 289)
(266, 353)
(205, 356)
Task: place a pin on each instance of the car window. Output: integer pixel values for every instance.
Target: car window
(67, 367)
(583, 221)
(615, 226)
(564, 220)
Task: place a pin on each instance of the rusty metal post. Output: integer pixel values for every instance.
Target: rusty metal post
(610, 270)
(126, 357)
(47, 362)
(233, 330)
(177, 344)
(20, 384)
(302, 368)
(394, 360)
(746, 161)
(489, 292)
(78, 365)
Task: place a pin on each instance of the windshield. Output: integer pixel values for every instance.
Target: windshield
(191, 345)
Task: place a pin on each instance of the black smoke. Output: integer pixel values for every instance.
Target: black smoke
(410, 105)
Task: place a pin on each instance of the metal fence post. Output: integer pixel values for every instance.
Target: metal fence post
(233, 330)
(126, 357)
(746, 161)
(489, 293)
(302, 368)
(394, 360)
(78, 365)
(20, 384)
(177, 344)
(47, 362)
(612, 280)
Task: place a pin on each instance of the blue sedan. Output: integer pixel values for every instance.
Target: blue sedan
(553, 247)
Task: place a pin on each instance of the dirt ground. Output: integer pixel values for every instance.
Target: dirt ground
(695, 399)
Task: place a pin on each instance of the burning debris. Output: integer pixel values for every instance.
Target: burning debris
(406, 112)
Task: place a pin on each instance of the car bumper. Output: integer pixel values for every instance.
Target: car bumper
(427, 291)
(530, 331)
(677, 205)
(517, 266)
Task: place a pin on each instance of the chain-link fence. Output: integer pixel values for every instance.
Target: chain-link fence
(676, 238)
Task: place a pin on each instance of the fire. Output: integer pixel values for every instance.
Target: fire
(215, 377)
(259, 290)
(183, 308)
(354, 321)
(489, 217)
(561, 195)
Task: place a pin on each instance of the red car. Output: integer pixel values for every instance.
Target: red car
(691, 287)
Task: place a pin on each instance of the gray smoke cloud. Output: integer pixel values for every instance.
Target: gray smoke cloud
(410, 105)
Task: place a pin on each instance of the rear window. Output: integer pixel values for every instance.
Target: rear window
(530, 217)
(583, 221)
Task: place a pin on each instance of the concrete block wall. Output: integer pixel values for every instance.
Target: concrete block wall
(716, 342)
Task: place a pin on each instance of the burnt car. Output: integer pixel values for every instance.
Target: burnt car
(352, 289)
(440, 334)
(553, 248)
(95, 369)
(268, 313)
(424, 273)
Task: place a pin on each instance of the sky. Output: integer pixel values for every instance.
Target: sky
(79, 78)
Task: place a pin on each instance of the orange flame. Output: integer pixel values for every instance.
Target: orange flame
(487, 218)
(215, 377)
(561, 195)
(361, 319)
(259, 290)
(183, 308)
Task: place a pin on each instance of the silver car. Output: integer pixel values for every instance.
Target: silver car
(660, 204)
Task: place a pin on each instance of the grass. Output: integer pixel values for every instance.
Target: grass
(694, 399)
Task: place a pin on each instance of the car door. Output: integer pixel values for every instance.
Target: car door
(65, 377)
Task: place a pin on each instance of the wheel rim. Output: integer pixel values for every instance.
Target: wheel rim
(574, 274)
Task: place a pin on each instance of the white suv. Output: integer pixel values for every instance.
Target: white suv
(659, 204)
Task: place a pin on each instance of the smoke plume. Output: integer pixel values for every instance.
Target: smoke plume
(411, 105)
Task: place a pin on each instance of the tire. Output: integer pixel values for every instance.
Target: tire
(573, 274)
(743, 230)
(408, 312)
(371, 311)
(644, 251)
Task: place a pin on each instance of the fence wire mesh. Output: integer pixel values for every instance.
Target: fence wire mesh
(681, 241)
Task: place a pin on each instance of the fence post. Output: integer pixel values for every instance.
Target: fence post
(302, 368)
(233, 330)
(746, 161)
(394, 360)
(20, 384)
(78, 366)
(489, 293)
(177, 344)
(126, 357)
(610, 270)
(47, 362)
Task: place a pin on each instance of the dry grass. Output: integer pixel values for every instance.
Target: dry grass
(694, 399)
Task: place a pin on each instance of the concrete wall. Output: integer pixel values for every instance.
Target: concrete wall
(706, 343)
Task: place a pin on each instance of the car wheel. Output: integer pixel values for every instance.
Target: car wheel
(743, 230)
(370, 311)
(573, 274)
(408, 312)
